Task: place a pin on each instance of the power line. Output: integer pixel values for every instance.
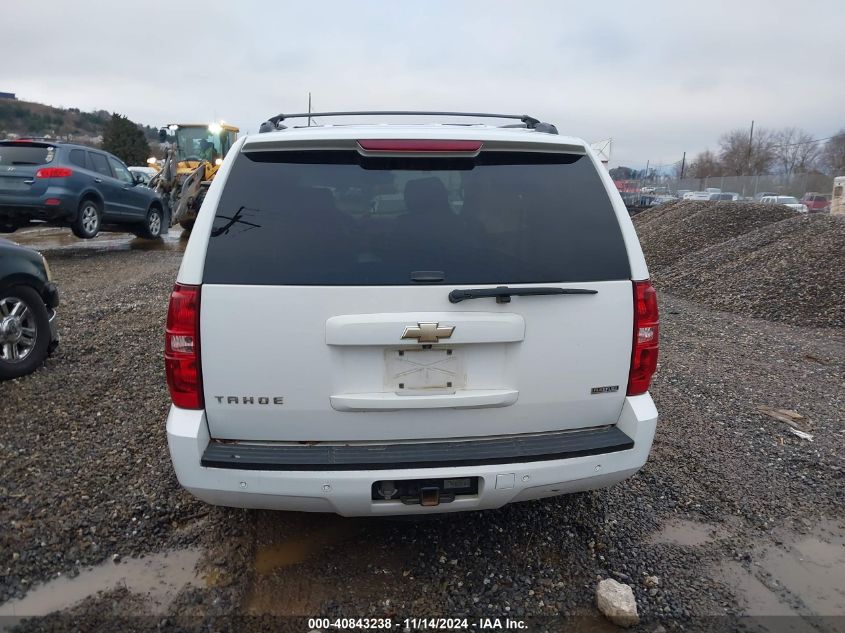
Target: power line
(815, 140)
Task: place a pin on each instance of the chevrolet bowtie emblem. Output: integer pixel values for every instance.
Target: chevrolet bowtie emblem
(428, 332)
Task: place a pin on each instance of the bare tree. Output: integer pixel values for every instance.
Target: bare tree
(704, 165)
(833, 155)
(795, 151)
(742, 155)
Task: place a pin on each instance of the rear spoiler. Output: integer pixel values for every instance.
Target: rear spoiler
(280, 143)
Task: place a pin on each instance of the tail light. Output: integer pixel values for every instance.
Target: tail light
(646, 334)
(54, 172)
(182, 347)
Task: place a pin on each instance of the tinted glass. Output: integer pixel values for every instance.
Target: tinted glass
(77, 157)
(100, 164)
(337, 218)
(19, 154)
(120, 171)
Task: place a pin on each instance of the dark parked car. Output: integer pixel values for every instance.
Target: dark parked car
(28, 300)
(73, 185)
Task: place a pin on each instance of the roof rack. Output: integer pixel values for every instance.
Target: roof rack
(530, 122)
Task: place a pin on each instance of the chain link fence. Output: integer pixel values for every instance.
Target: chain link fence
(746, 186)
(749, 186)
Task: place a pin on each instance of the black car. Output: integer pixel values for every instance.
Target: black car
(28, 301)
(77, 186)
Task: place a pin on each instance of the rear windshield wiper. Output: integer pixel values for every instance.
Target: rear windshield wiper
(503, 294)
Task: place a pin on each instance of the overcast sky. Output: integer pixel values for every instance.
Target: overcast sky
(660, 78)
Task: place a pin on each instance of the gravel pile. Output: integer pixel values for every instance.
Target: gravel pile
(671, 231)
(752, 259)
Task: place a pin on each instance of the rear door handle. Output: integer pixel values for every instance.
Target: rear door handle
(98, 180)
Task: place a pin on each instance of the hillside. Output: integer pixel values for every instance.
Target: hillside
(24, 118)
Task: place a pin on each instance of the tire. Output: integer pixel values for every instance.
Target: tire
(153, 224)
(8, 228)
(24, 331)
(88, 219)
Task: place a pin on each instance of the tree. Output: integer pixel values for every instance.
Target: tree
(833, 155)
(124, 139)
(704, 165)
(622, 173)
(795, 151)
(741, 155)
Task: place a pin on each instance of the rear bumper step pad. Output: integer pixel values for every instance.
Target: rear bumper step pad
(507, 450)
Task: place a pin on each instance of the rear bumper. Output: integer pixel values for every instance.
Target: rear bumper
(17, 208)
(348, 492)
(402, 456)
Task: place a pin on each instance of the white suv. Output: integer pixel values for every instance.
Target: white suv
(487, 337)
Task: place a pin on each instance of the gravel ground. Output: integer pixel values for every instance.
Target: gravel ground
(757, 260)
(87, 476)
(85, 472)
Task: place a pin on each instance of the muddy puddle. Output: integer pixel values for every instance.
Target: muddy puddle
(61, 240)
(299, 557)
(802, 574)
(274, 555)
(686, 533)
(158, 577)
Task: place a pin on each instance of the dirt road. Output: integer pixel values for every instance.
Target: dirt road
(733, 514)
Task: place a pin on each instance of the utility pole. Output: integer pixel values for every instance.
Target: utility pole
(646, 169)
(750, 139)
(683, 164)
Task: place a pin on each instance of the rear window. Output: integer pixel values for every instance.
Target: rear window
(20, 154)
(338, 218)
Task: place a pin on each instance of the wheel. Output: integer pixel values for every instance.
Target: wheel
(187, 224)
(153, 224)
(87, 222)
(8, 228)
(24, 331)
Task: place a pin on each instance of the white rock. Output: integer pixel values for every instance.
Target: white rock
(651, 581)
(616, 601)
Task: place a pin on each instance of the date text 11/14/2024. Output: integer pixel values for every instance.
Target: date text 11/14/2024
(417, 624)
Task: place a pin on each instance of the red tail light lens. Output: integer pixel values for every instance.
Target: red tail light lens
(53, 172)
(419, 145)
(182, 347)
(646, 334)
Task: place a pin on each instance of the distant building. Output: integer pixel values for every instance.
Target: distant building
(7, 95)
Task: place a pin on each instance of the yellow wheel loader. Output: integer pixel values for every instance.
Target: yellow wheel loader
(194, 153)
